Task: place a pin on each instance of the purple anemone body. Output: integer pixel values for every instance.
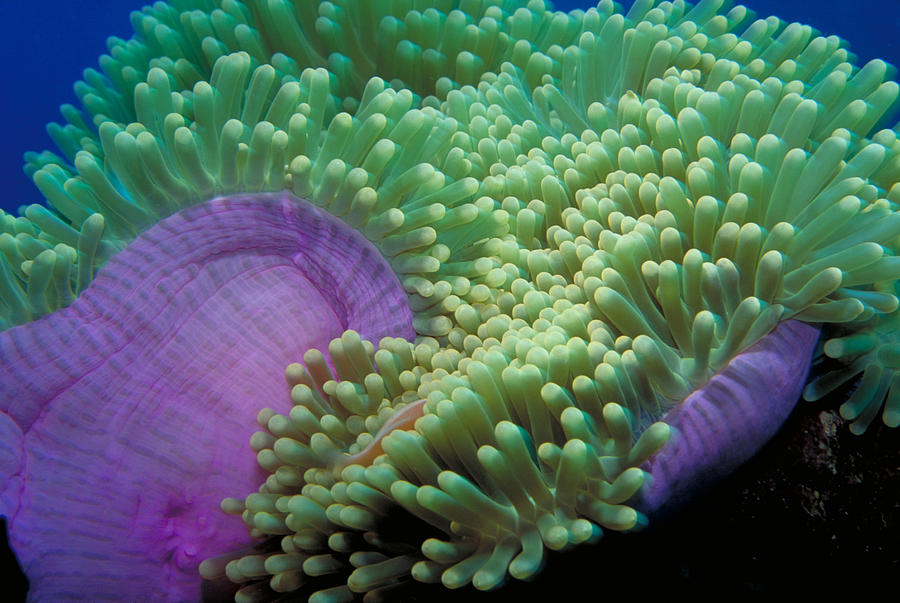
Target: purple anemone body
(720, 426)
(126, 416)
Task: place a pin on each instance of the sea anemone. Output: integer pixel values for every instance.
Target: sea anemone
(533, 275)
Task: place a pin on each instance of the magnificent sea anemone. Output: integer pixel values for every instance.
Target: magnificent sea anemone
(475, 280)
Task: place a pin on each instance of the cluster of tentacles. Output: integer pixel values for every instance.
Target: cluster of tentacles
(590, 213)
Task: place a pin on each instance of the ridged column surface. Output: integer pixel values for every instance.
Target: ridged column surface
(126, 416)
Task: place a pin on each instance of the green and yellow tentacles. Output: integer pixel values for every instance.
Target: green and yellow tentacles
(591, 213)
(469, 470)
(871, 349)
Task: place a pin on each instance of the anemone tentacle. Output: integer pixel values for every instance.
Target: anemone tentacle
(591, 214)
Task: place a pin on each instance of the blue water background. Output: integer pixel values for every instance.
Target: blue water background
(47, 45)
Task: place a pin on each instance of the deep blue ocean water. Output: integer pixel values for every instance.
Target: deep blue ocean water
(49, 43)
